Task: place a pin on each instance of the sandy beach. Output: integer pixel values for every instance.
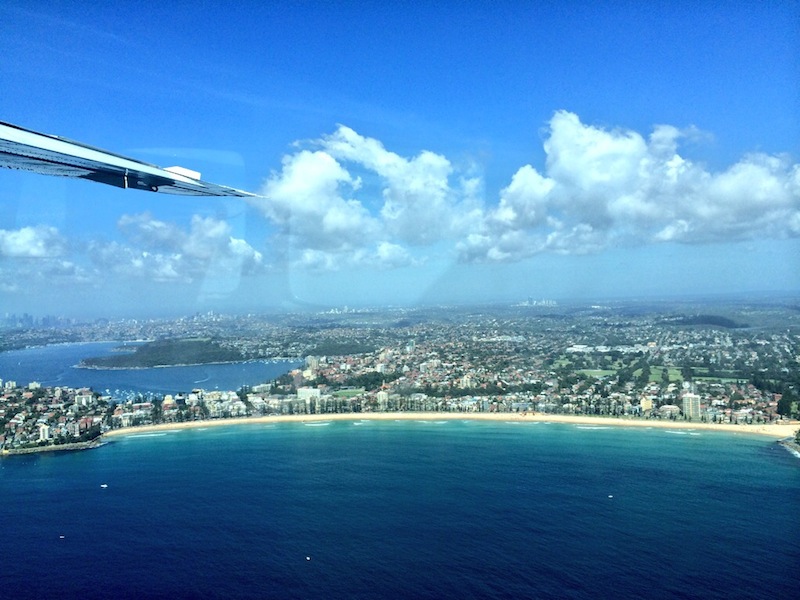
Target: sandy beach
(777, 431)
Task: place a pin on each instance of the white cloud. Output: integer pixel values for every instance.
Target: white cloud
(599, 186)
(524, 201)
(145, 231)
(305, 200)
(392, 255)
(121, 260)
(164, 252)
(321, 224)
(36, 255)
(418, 204)
(31, 242)
(153, 250)
(605, 186)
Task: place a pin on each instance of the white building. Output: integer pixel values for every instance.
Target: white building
(691, 406)
(307, 393)
(383, 399)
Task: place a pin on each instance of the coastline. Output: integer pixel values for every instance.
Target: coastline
(95, 443)
(775, 431)
(202, 364)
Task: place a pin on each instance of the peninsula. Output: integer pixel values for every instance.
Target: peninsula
(168, 353)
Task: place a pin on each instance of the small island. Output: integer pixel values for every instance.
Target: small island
(168, 353)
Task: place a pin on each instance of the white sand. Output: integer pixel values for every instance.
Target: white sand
(778, 431)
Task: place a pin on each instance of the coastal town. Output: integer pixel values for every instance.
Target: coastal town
(594, 361)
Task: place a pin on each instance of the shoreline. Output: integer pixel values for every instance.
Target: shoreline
(203, 364)
(775, 431)
(69, 447)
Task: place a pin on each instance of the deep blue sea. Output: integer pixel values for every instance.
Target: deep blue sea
(56, 366)
(457, 509)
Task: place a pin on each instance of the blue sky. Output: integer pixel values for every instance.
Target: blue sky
(411, 153)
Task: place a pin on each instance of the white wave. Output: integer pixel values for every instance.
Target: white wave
(676, 432)
(146, 435)
(317, 424)
(592, 427)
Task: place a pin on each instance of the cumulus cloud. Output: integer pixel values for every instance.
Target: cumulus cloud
(307, 202)
(37, 256)
(165, 252)
(346, 199)
(418, 203)
(409, 203)
(609, 186)
(145, 231)
(31, 242)
(151, 250)
(134, 263)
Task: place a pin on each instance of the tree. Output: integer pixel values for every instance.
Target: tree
(787, 405)
(644, 376)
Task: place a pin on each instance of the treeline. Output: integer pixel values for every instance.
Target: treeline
(489, 389)
(714, 320)
(371, 381)
(168, 352)
(786, 383)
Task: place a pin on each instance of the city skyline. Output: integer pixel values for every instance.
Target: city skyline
(406, 155)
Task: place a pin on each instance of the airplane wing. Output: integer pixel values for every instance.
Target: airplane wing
(53, 155)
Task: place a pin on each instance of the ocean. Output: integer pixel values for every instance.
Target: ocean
(411, 509)
(55, 365)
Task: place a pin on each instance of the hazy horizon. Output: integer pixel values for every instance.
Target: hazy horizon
(724, 300)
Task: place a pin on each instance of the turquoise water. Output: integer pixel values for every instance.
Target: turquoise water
(405, 509)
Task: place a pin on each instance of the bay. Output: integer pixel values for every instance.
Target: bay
(56, 365)
(427, 509)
